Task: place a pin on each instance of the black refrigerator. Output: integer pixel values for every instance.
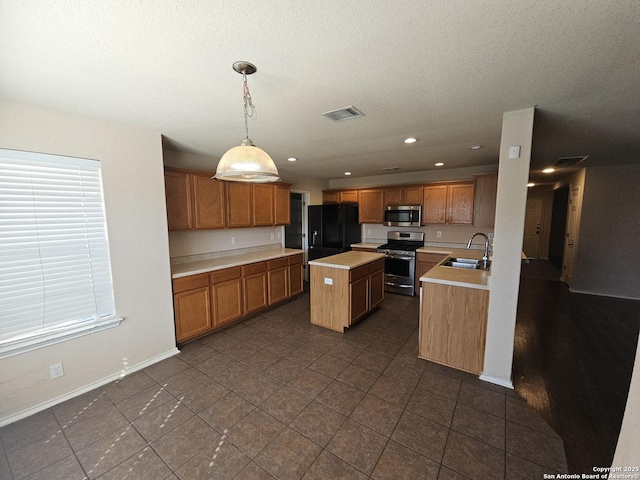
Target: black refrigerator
(332, 229)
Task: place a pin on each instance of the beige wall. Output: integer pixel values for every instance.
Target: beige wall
(607, 255)
(184, 243)
(449, 233)
(131, 161)
(628, 447)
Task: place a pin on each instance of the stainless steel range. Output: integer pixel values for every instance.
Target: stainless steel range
(400, 261)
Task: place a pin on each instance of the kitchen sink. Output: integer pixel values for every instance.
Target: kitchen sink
(468, 263)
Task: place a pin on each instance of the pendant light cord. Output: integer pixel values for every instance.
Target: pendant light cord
(249, 107)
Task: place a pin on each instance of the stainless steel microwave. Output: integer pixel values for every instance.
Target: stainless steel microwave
(402, 215)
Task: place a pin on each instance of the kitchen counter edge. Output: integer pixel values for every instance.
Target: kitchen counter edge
(347, 260)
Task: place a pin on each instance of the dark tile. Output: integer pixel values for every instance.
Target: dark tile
(261, 360)
(162, 420)
(242, 331)
(254, 432)
(289, 455)
(233, 376)
(472, 458)
(328, 466)
(113, 449)
(66, 469)
(181, 444)
(262, 339)
(220, 341)
(522, 414)
(253, 471)
(482, 399)
(281, 330)
(310, 383)
(433, 407)
(518, 468)
(329, 366)
(87, 430)
(358, 377)
(145, 465)
(83, 406)
(143, 402)
(5, 471)
(183, 381)
(285, 404)
(377, 414)
(422, 435)
(215, 365)
(340, 397)
(241, 351)
(404, 372)
(448, 474)
(38, 455)
(372, 361)
(216, 462)
(535, 446)
(281, 346)
(392, 391)
(284, 370)
(194, 353)
(258, 388)
(318, 423)
(224, 413)
(399, 462)
(444, 370)
(203, 395)
(127, 386)
(358, 445)
(166, 368)
(345, 351)
(36, 427)
(305, 355)
(472, 379)
(384, 348)
(442, 385)
(479, 425)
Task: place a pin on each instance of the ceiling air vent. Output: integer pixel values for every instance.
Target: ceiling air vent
(345, 113)
(569, 161)
(390, 169)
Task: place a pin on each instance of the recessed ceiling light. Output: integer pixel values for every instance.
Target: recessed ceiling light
(439, 164)
(531, 184)
(292, 159)
(347, 173)
(548, 170)
(410, 140)
(474, 147)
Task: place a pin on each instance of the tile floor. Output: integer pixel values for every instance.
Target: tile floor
(277, 397)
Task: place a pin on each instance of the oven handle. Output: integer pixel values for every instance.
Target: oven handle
(402, 285)
(399, 257)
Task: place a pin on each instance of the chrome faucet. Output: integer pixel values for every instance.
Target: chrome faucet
(485, 258)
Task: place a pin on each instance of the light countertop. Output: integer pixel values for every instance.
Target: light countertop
(347, 260)
(368, 245)
(211, 265)
(460, 277)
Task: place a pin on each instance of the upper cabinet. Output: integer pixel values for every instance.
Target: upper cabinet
(371, 206)
(340, 196)
(448, 203)
(195, 201)
(484, 202)
(411, 195)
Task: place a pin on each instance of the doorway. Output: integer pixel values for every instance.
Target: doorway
(532, 222)
(295, 232)
(558, 226)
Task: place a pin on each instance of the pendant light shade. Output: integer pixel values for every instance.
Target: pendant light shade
(246, 162)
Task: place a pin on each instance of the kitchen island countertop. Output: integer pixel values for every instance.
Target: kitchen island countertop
(347, 260)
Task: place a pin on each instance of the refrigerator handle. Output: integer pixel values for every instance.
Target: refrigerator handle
(314, 237)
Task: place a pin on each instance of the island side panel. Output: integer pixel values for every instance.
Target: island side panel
(329, 303)
(453, 326)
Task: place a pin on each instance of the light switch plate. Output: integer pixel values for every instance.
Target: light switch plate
(514, 152)
(328, 281)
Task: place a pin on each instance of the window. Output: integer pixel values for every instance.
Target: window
(55, 275)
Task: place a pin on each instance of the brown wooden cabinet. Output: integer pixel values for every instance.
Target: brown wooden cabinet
(226, 295)
(177, 187)
(340, 196)
(331, 197)
(254, 283)
(282, 205)
(393, 196)
(296, 275)
(425, 262)
(448, 203)
(349, 196)
(208, 202)
(192, 304)
(410, 195)
(485, 188)
(376, 283)
(358, 298)
(239, 204)
(263, 204)
(371, 206)
(277, 282)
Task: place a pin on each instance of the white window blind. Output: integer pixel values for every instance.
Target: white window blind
(55, 275)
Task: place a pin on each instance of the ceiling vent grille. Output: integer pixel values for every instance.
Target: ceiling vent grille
(569, 161)
(345, 113)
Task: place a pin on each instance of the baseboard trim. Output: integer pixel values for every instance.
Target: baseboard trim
(600, 294)
(504, 382)
(87, 388)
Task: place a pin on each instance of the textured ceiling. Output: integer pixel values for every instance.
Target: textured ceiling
(442, 71)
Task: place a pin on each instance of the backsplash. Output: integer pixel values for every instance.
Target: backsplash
(198, 242)
(451, 235)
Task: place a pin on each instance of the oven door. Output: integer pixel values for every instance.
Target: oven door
(399, 272)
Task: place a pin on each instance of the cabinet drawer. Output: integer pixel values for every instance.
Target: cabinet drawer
(377, 265)
(220, 276)
(295, 259)
(358, 273)
(278, 263)
(254, 268)
(191, 282)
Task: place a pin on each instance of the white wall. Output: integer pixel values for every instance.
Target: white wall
(458, 234)
(133, 182)
(513, 174)
(628, 447)
(184, 243)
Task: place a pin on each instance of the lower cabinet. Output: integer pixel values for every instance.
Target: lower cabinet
(296, 275)
(254, 281)
(226, 295)
(277, 284)
(192, 304)
(425, 262)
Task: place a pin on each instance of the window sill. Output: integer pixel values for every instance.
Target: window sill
(18, 346)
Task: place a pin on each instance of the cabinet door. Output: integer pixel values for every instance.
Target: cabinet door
(412, 195)
(393, 196)
(376, 288)
(330, 197)
(277, 285)
(460, 203)
(424, 263)
(349, 196)
(177, 187)
(208, 201)
(485, 188)
(434, 206)
(192, 313)
(283, 202)
(370, 206)
(358, 299)
(239, 204)
(263, 203)
(296, 285)
(255, 292)
(226, 299)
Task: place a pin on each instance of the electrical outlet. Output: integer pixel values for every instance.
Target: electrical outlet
(272, 236)
(278, 235)
(56, 370)
(439, 234)
(368, 231)
(234, 240)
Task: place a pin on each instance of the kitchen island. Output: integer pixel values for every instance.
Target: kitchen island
(345, 288)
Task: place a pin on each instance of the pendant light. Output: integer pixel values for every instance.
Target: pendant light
(246, 162)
